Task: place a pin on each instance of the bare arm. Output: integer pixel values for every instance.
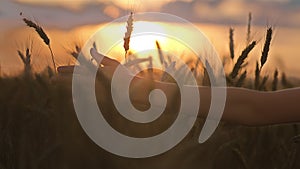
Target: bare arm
(246, 107)
(250, 107)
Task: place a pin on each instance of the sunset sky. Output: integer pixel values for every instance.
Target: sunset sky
(62, 18)
(70, 13)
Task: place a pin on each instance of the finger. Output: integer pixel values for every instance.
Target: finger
(65, 69)
(68, 70)
(101, 59)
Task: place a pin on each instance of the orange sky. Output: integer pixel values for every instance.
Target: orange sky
(217, 15)
(284, 51)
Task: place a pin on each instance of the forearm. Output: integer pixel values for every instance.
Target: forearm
(253, 108)
(246, 107)
(243, 106)
(277, 107)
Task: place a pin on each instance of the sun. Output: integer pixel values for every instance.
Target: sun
(141, 42)
(146, 42)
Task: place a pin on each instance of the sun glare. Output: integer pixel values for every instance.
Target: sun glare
(146, 42)
(141, 42)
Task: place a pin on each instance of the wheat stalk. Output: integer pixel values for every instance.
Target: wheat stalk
(207, 79)
(263, 83)
(42, 35)
(257, 76)
(285, 83)
(25, 56)
(128, 33)
(266, 49)
(38, 29)
(275, 81)
(241, 80)
(161, 55)
(231, 43)
(26, 59)
(195, 70)
(171, 69)
(241, 60)
(74, 51)
(249, 28)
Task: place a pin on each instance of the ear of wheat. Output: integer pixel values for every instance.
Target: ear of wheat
(231, 43)
(266, 49)
(40, 31)
(249, 28)
(241, 60)
(128, 34)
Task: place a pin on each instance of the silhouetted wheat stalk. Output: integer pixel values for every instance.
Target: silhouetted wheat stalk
(257, 76)
(275, 81)
(231, 43)
(150, 66)
(285, 83)
(241, 80)
(249, 28)
(266, 49)
(195, 70)
(241, 60)
(75, 50)
(128, 34)
(208, 77)
(42, 35)
(262, 86)
(26, 59)
(161, 55)
(263, 60)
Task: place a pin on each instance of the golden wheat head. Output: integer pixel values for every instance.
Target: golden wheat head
(38, 29)
(128, 33)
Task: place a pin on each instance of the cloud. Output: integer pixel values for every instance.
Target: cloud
(265, 12)
(182, 9)
(58, 16)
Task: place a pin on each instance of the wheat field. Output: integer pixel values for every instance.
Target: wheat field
(39, 127)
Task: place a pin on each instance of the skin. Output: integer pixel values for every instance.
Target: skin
(243, 106)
